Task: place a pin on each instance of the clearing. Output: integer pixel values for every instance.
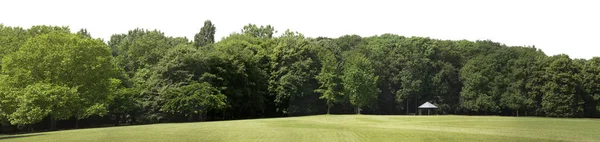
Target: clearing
(342, 128)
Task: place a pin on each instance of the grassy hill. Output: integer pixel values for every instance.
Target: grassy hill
(342, 128)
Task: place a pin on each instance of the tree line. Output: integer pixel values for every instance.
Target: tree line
(52, 77)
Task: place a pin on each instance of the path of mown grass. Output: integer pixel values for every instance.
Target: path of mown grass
(343, 128)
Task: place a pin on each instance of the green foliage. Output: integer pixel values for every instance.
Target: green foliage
(242, 62)
(501, 80)
(49, 73)
(193, 99)
(57, 74)
(589, 85)
(293, 67)
(12, 39)
(84, 33)
(39, 100)
(206, 35)
(141, 48)
(560, 98)
(259, 32)
(360, 83)
(328, 77)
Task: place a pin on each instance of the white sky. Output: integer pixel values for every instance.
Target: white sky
(569, 26)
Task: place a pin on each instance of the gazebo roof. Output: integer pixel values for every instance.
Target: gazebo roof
(427, 105)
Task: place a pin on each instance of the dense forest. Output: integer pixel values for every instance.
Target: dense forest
(53, 79)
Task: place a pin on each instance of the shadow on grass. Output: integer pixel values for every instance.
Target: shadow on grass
(6, 137)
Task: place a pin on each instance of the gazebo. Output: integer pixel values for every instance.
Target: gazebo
(428, 106)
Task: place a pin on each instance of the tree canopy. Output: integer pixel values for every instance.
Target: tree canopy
(50, 74)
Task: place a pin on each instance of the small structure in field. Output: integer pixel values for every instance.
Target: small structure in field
(428, 106)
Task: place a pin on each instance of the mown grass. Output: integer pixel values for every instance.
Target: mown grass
(343, 128)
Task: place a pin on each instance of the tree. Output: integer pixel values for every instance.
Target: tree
(259, 32)
(416, 71)
(293, 67)
(39, 100)
(193, 99)
(68, 74)
(137, 53)
(84, 33)
(139, 48)
(242, 61)
(360, 83)
(478, 92)
(206, 35)
(122, 104)
(588, 86)
(329, 76)
(384, 52)
(560, 99)
(14, 37)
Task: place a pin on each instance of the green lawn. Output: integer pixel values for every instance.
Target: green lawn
(342, 128)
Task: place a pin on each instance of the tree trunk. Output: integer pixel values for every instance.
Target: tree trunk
(192, 118)
(30, 127)
(328, 108)
(117, 119)
(14, 128)
(132, 120)
(52, 124)
(76, 123)
(416, 104)
(357, 110)
(407, 107)
(202, 114)
(517, 113)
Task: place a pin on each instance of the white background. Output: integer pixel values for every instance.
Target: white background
(571, 26)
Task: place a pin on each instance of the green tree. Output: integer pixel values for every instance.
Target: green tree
(360, 83)
(243, 63)
(137, 53)
(329, 76)
(416, 71)
(259, 32)
(478, 93)
(61, 63)
(206, 35)
(588, 87)
(12, 39)
(560, 98)
(122, 104)
(140, 48)
(193, 99)
(84, 33)
(293, 67)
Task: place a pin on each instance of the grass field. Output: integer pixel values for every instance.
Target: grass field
(342, 128)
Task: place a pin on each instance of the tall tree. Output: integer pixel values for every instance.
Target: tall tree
(417, 70)
(193, 99)
(359, 80)
(84, 33)
(206, 35)
(589, 85)
(259, 32)
(560, 99)
(293, 67)
(140, 48)
(68, 73)
(329, 76)
(245, 74)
